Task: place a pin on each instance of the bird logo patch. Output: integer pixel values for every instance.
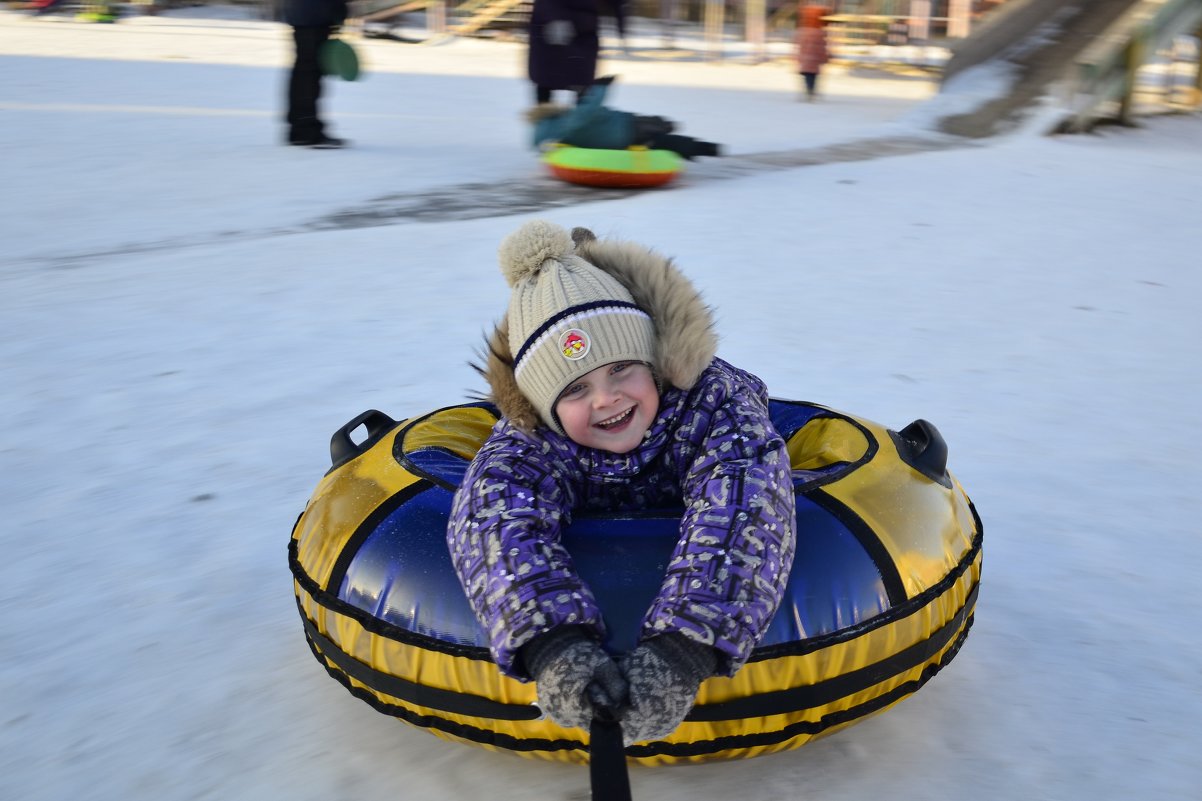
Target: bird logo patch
(574, 344)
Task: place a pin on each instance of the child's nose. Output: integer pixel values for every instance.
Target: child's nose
(607, 394)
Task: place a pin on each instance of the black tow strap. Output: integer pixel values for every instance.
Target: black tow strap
(607, 759)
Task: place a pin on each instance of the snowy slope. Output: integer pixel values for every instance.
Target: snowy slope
(178, 339)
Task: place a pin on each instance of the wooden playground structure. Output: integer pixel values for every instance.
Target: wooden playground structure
(472, 16)
(1124, 58)
(1106, 81)
(858, 26)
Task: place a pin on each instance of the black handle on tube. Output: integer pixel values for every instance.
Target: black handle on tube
(921, 446)
(343, 448)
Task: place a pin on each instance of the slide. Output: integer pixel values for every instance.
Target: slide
(1040, 40)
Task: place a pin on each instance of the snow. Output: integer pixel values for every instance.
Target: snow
(188, 310)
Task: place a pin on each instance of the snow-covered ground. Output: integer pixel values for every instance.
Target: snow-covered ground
(184, 321)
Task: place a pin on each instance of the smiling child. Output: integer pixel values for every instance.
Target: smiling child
(612, 399)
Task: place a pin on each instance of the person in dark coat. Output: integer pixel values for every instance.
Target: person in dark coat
(564, 42)
(312, 23)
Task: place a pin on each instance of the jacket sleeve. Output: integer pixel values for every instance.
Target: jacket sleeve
(504, 539)
(728, 572)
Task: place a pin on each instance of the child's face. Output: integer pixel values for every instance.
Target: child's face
(611, 407)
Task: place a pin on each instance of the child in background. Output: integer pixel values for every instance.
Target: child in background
(612, 399)
(592, 124)
(811, 46)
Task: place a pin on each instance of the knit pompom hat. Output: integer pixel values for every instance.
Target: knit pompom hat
(566, 317)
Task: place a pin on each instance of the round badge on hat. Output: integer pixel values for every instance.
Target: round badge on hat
(574, 344)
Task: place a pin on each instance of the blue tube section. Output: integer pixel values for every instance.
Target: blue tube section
(402, 573)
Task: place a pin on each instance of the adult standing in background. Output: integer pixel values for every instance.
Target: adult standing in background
(564, 41)
(312, 23)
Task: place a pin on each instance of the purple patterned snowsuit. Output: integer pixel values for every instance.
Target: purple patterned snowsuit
(711, 448)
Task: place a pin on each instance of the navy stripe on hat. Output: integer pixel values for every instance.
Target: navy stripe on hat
(568, 312)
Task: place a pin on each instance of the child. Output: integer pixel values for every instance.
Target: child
(593, 124)
(811, 46)
(612, 399)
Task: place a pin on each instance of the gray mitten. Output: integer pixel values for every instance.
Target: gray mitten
(574, 676)
(664, 674)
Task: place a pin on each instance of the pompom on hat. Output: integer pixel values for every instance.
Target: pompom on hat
(566, 317)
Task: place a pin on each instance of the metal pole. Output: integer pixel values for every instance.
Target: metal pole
(920, 20)
(667, 24)
(1133, 58)
(436, 17)
(715, 23)
(757, 25)
(1196, 100)
(959, 13)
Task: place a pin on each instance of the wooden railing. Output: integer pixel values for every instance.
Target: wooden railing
(471, 16)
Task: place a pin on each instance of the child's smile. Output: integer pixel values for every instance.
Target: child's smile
(617, 420)
(611, 407)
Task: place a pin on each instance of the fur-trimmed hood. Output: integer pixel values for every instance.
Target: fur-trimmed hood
(544, 111)
(685, 345)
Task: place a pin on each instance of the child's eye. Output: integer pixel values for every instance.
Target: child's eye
(575, 389)
(620, 366)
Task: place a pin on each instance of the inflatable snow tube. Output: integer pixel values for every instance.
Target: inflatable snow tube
(880, 598)
(633, 167)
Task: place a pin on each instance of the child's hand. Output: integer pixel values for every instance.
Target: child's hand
(664, 674)
(574, 677)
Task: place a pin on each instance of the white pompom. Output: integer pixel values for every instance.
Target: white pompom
(525, 250)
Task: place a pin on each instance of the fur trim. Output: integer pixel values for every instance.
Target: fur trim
(686, 342)
(503, 387)
(544, 111)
